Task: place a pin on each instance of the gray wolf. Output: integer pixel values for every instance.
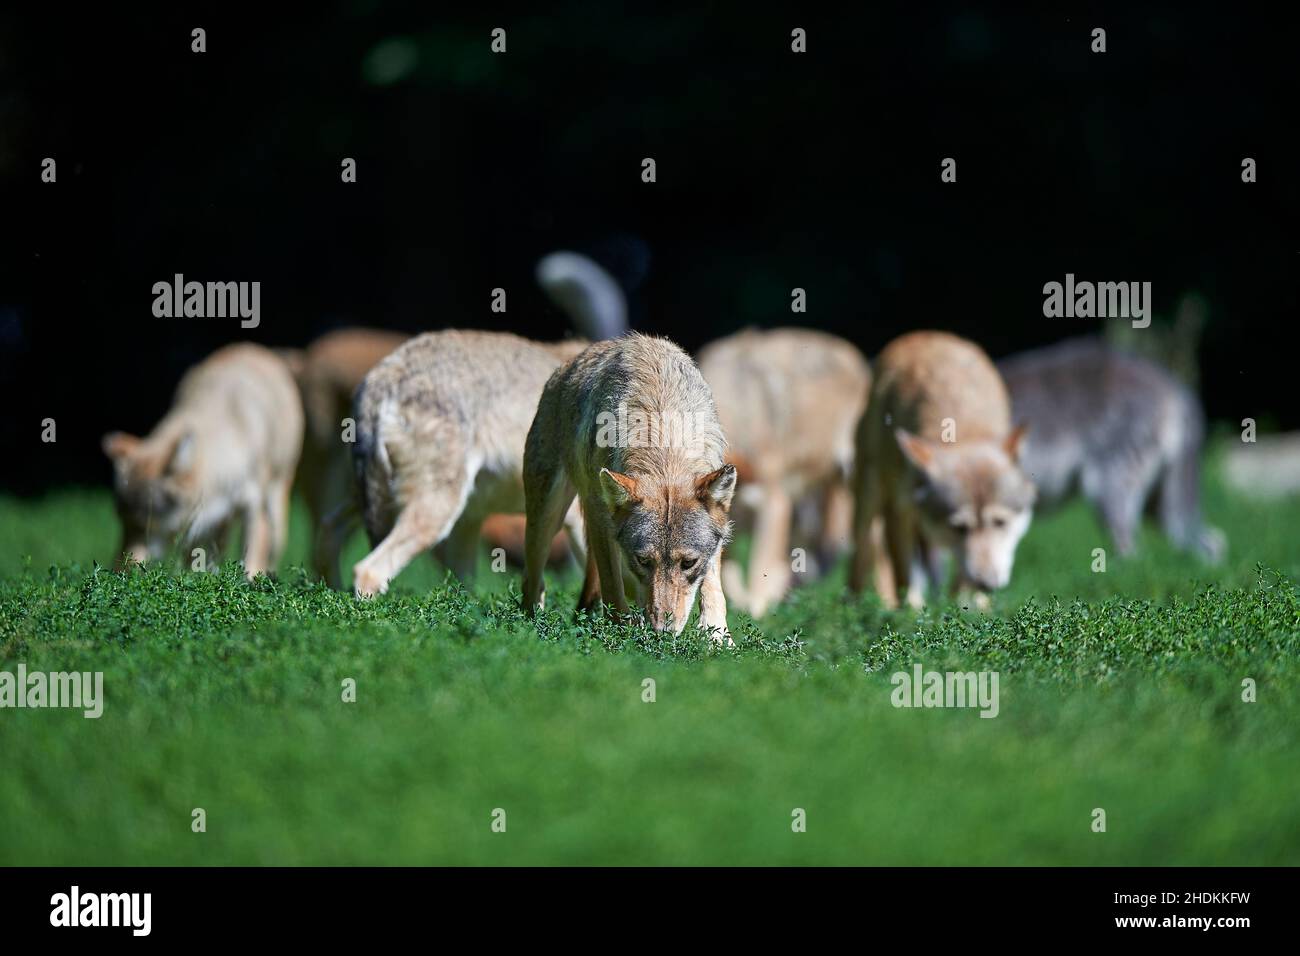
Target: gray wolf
(630, 428)
(441, 424)
(1117, 428)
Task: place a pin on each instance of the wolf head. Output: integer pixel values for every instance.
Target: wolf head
(156, 491)
(974, 499)
(669, 533)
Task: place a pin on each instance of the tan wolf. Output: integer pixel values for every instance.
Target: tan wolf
(225, 451)
(937, 460)
(595, 304)
(328, 373)
(441, 424)
(789, 401)
(630, 428)
(332, 367)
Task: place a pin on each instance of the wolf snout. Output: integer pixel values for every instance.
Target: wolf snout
(663, 622)
(990, 580)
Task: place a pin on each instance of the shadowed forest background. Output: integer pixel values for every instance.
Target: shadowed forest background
(775, 170)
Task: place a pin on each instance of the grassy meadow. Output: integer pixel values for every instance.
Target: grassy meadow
(1119, 690)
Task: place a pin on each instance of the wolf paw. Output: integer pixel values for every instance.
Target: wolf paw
(719, 635)
(367, 584)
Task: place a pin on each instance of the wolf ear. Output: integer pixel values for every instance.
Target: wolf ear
(717, 487)
(915, 448)
(181, 459)
(619, 491)
(119, 445)
(1014, 443)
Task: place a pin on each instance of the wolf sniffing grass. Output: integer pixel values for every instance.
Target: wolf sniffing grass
(789, 401)
(441, 424)
(226, 451)
(938, 471)
(630, 428)
(1120, 430)
(595, 304)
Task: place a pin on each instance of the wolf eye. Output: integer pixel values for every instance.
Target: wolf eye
(689, 564)
(999, 522)
(643, 560)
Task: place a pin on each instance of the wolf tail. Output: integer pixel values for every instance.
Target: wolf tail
(590, 296)
(1180, 512)
(369, 459)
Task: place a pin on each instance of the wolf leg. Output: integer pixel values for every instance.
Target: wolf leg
(277, 521)
(866, 543)
(590, 598)
(1118, 487)
(333, 515)
(882, 567)
(547, 498)
(331, 535)
(312, 483)
(837, 522)
(1179, 506)
(460, 550)
(423, 523)
(604, 550)
(257, 539)
(713, 604)
(1120, 503)
(900, 539)
(577, 533)
(133, 549)
(769, 564)
(935, 558)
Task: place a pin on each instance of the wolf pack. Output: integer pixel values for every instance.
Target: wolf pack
(923, 467)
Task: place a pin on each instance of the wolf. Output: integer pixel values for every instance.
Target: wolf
(1118, 428)
(331, 368)
(328, 372)
(226, 450)
(938, 471)
(630, 428)
(441, 424)
(789, 401)
(595, 304)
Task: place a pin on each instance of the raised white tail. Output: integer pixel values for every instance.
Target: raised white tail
(590, 296)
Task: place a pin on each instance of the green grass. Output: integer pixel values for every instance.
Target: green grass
(1119, 690)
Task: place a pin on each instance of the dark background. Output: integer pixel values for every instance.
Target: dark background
(775, 170)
